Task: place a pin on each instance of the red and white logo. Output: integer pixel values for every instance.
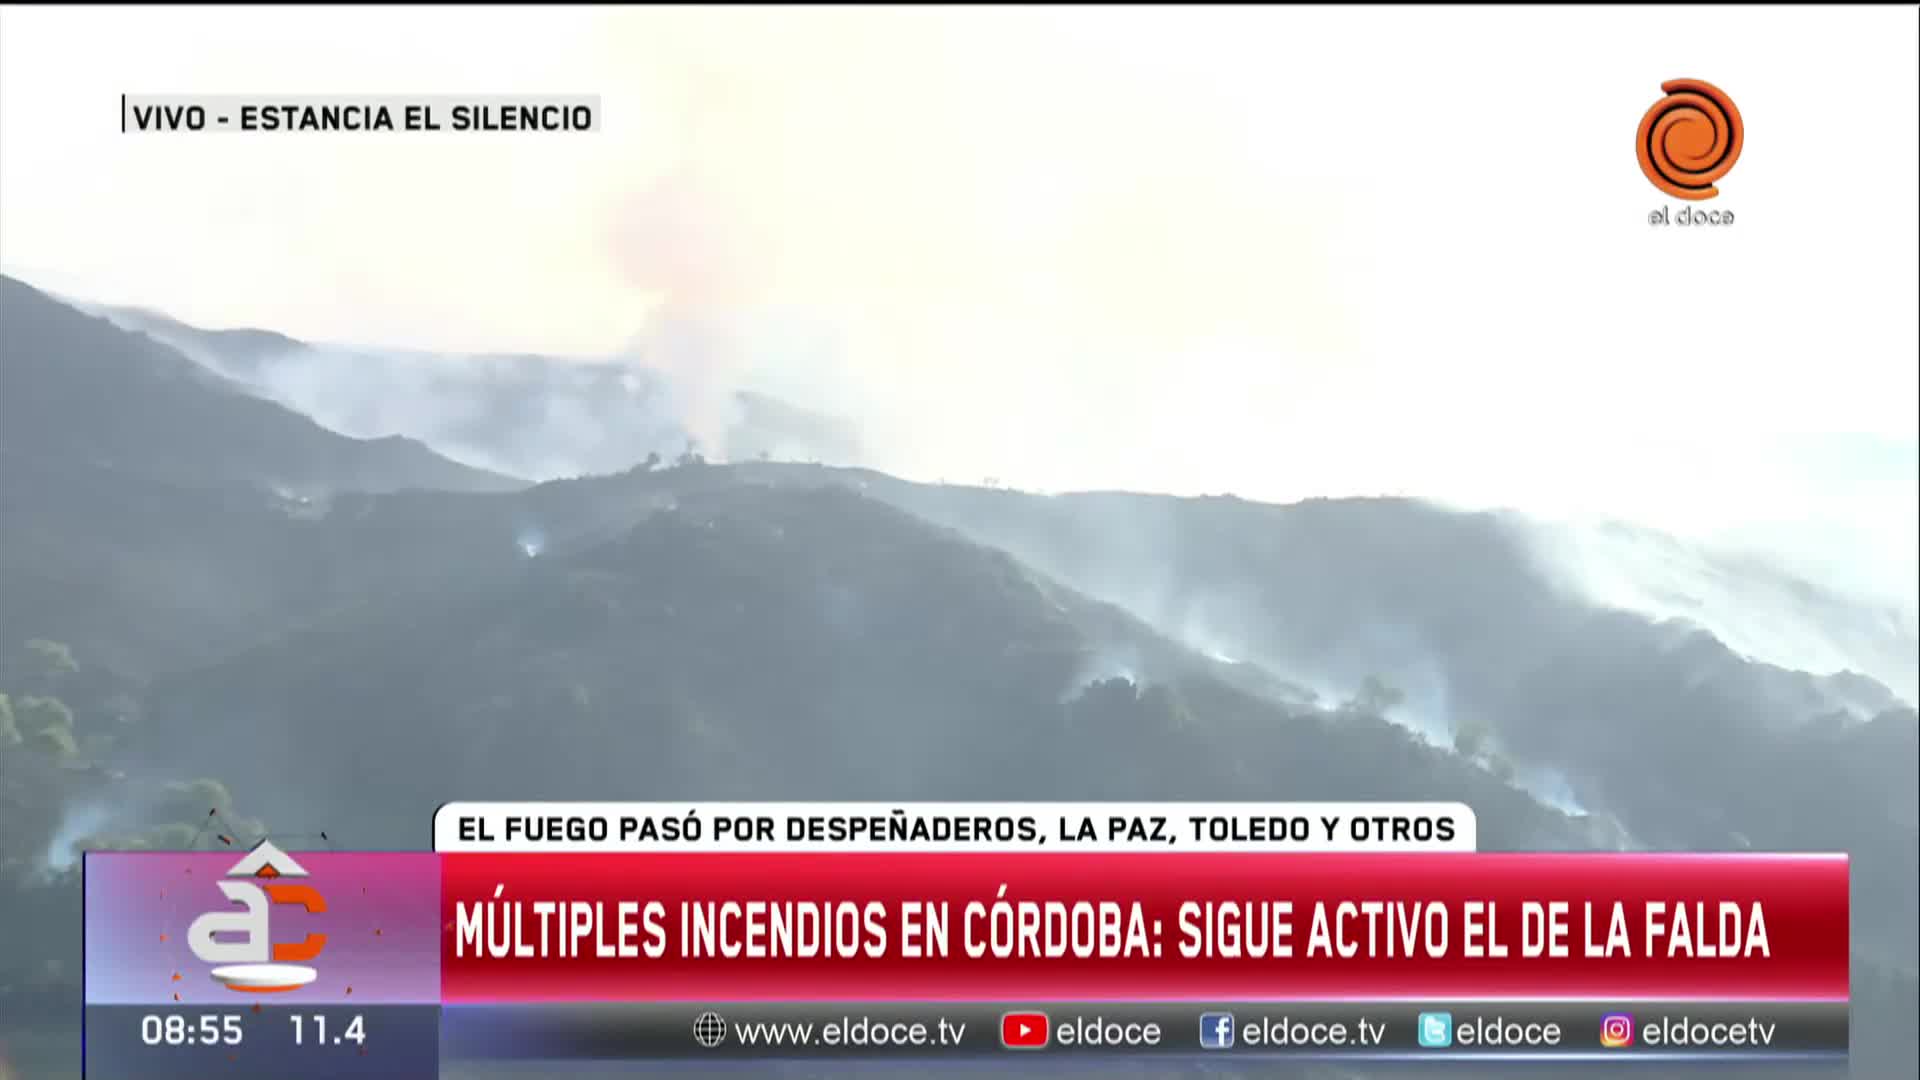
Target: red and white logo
(237, 943)
(1023, 1030)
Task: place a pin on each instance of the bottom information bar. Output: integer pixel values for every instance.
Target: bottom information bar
(240, 1042)
(1556, 1030)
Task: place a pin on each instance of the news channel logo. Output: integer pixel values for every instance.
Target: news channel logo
(1690, 138)
(238, 944)
(1216, 1031)
(1616, 1031)
(1435, 1029)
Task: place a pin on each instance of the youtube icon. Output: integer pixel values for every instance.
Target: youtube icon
(1023, 1030)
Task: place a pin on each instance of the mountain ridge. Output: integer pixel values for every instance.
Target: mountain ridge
(77, 385)
(523, 414)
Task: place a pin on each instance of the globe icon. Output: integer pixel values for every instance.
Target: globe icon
(709, 1030)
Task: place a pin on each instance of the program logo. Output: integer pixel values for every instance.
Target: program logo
(238, 943)
(1435, 1030)
(1690, 139)
(1616, 1031)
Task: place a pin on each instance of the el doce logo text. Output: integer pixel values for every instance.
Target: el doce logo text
(1688, 141)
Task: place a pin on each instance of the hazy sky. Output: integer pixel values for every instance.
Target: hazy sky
(1275, 252)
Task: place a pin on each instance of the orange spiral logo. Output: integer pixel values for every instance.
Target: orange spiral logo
(1690, 138)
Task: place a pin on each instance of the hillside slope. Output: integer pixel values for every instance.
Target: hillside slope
(755, 642)
(779, 633)
(1654, 722)
(76, 388)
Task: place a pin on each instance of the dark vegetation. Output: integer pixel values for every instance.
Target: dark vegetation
(64, 729)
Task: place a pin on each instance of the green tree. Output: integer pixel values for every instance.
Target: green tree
(51, 660)
(1472, 738)
(54, 742)
(192, 799)
(1375, 697)
(1164, 707)
(38, 714)
(174, 837)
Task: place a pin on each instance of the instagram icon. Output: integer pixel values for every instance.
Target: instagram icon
(1616, 1031)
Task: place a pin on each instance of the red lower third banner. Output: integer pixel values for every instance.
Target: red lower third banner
(1145, 927)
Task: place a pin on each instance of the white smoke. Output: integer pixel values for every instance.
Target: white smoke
(78, 822)
(532, 417)
(1752, 603)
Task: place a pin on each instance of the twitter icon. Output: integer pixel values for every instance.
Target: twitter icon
(1436, 1030)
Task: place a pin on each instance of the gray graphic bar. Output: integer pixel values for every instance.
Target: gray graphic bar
(286, 1042)
(1598, 1031)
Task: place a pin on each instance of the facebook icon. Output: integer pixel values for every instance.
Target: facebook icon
(1216, 1031)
